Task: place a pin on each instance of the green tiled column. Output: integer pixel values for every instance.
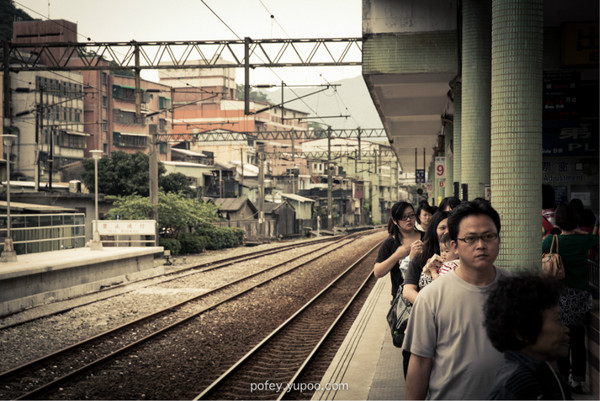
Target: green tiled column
(516, 146)
(457, 92)
(476, 92)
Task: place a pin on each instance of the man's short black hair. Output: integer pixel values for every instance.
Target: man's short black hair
(513, 312)
(475, 207)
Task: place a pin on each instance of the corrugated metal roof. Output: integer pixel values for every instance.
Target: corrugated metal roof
(233, 204)
(188, 152)
(133, 134)
(297, 198)
(21, 206)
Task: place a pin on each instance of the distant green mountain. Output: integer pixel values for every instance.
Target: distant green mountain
(352, 93)
(8, 14)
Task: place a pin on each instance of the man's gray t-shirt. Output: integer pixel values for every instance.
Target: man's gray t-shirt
(446, 324)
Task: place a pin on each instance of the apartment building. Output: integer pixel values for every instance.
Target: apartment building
(48, 110)
(109, 119)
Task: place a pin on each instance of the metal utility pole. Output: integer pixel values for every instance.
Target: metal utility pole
(246, 75)
(38, 135)
(261, 193)
(242, 165)
(282, 103)
(51, 159)
(329, 183)
(154, 176)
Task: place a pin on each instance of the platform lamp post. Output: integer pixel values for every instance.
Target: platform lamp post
(96, 244)
(8, 253)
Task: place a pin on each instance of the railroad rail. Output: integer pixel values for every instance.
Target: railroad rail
(38, 377)
(120, 289)
(295, 341)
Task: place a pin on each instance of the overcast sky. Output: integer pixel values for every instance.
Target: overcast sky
(164, 20)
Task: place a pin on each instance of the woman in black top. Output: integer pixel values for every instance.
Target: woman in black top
(431, 246)
(404, 240)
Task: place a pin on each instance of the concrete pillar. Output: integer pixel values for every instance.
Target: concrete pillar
(457, 91)
(516, 125)
(476, 93)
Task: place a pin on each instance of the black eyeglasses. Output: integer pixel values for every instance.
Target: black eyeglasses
(408, 217)
(471, 239)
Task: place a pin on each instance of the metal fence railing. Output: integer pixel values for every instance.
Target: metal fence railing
(32, 233)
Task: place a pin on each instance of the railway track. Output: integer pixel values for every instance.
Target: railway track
(120, 289)
(37, 378)
(272, 368)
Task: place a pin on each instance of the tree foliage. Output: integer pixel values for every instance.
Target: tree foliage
(177, 213)
(255, 96)
(121, 174)
(175, 182)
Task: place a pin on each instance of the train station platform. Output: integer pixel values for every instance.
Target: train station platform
(368, 366)
(45, 277)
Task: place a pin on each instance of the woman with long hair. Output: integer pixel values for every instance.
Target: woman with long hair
(424, 213)
(404, 240)
(431, 246)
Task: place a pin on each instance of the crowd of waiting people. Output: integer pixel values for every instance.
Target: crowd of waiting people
(477, 331)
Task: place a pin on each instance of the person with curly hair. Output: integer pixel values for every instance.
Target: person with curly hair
(522, 320)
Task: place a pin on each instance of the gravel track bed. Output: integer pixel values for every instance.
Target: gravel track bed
(35, 339)
(205, 342)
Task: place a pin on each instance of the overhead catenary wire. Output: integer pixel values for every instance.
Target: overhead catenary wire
(336, 93)
(270, 68)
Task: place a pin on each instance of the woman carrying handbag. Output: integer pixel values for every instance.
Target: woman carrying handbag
(575, 299)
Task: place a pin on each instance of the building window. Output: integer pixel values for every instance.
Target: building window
(164, 102)
(123, 93)
(129, 141)
(124, 117)
(71, 141)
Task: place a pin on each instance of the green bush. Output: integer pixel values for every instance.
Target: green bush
(170, 244)
(221, 237)
(193, 243)
(240, 234)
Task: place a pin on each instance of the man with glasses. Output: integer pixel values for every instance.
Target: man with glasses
(451, 355)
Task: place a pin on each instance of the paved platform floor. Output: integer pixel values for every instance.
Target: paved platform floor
(45, 277)
(367, 362)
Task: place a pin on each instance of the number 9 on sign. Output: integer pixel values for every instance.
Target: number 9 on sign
(440, 167)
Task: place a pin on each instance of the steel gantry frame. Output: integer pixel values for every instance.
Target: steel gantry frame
(183, 54)
(223, 135)
(247, 53)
